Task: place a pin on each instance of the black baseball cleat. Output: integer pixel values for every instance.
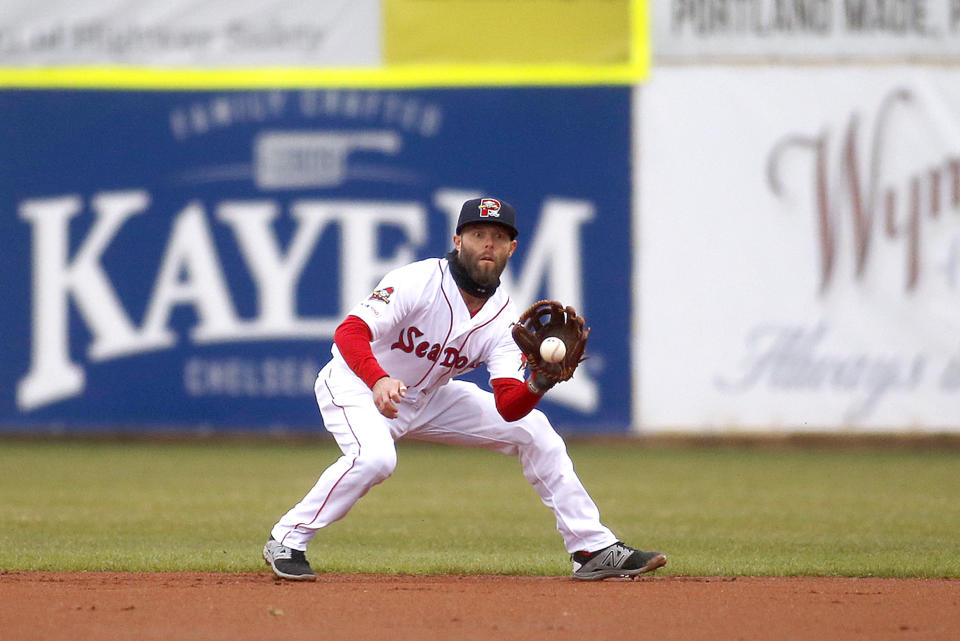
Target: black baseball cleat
(617, 560)
(287, 563)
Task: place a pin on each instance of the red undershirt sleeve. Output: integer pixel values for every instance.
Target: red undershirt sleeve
(514, 400)
(353, 338)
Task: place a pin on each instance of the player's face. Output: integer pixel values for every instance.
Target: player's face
(484, 249)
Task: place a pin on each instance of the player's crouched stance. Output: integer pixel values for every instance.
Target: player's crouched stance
(390, 377)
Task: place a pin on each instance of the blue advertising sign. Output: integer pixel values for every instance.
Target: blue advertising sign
(181, 259)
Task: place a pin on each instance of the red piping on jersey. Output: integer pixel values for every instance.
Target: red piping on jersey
(342, 476)
(449, 331)
(463, 346)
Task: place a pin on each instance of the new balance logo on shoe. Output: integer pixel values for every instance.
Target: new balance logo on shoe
(615, 557)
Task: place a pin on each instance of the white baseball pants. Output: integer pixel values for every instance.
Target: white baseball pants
(458, 413)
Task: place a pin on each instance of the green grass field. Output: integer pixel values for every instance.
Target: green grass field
(208, 505)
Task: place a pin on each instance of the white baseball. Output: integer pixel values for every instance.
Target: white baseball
(552, 349)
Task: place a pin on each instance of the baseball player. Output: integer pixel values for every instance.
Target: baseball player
(392, 375)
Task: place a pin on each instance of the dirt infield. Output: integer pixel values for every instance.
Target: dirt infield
(96, 606)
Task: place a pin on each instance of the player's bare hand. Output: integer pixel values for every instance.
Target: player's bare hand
(387, 392)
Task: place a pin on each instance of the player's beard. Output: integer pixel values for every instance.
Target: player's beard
(484, 273)
(466, 275)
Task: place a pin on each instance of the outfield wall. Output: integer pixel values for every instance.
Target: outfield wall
(760, 244)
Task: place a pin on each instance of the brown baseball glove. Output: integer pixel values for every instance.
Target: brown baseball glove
(550, 318)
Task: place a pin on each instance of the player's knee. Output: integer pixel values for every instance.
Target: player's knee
(552, 446)
(377, 465)
(543, 437)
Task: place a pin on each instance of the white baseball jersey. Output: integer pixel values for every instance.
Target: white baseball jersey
(424, 335)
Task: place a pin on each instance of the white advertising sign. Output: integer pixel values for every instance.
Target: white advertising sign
(798, 236)
(204, 33)
(806, 29)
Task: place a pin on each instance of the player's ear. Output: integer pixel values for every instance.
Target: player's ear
(513, 248)
(457, 239)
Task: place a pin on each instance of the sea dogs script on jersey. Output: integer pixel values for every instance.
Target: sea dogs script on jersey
(424, 349)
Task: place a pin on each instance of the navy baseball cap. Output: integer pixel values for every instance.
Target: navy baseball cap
(488, 210)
